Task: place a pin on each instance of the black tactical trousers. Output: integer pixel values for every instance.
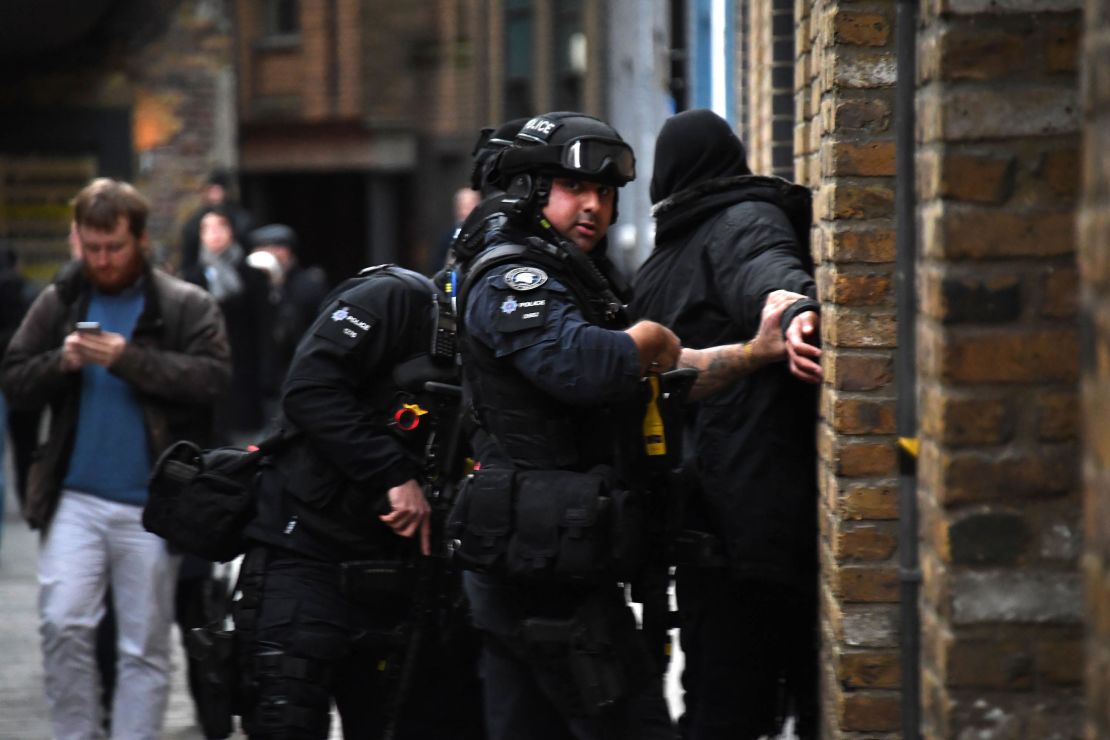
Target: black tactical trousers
(528, 688)
(312, 643)
(307, 651)
(751, 656)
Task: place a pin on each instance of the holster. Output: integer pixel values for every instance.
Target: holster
(215, 651)
(244, 612)
(590, 661)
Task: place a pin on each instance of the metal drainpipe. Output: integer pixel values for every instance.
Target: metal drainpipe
(906, 369)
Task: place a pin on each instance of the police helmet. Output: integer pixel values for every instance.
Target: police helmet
(570, 144)
(561, 144)
(484, 175)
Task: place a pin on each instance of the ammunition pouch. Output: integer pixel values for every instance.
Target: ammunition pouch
(547, 524)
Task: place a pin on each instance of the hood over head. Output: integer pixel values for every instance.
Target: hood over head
(692, 147)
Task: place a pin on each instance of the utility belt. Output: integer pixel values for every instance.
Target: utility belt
(548, 524)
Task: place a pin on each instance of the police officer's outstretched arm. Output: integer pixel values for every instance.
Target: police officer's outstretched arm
(719, 367)
(330, 393)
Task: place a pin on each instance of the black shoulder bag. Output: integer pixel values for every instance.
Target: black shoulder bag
(201, 500)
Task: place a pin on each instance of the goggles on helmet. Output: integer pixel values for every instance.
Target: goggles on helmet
(591, 155)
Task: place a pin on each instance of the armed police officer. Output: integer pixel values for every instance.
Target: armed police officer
(548, 520)
(327, 588)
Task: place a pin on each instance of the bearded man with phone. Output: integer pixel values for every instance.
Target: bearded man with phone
(129, 359)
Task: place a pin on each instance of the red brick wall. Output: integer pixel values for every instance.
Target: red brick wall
(844, 150)
(1094, 246)
(997, 479)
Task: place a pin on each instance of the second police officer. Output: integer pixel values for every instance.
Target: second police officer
(327, 587)
(549, 361)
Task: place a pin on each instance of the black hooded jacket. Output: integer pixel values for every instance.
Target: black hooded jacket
(724, 241)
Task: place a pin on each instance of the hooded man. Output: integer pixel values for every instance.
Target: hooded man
(727, 243)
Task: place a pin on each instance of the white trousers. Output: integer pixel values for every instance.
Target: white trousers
(90, 543)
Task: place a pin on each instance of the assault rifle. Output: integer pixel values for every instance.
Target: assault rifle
(432, 586)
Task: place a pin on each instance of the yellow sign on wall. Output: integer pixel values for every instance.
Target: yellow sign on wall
(35, 192)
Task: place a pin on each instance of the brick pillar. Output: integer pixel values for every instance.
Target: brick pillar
(844, 150)
(997, 477)
(1094, 241)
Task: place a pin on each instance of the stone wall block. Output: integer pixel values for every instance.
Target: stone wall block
(1006, 596)
(871, 242)
(862, 330)
(1012, 356)
(857, 370)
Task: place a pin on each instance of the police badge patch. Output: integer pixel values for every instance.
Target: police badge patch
(346, 325)
(525, 278)
(518, 312)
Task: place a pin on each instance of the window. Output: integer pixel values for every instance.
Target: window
(281, 19)
(570, 55)
(518, 58)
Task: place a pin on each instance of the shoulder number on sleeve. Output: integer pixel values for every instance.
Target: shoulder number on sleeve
(346, 325)
(519, 311)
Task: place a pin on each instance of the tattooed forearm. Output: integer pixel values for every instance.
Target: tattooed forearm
(718, 367)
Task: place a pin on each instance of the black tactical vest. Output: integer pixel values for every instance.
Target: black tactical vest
(520, 426)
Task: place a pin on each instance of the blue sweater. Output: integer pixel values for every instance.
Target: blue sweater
(111, 454)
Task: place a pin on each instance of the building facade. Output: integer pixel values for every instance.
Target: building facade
(960, 246)
(142, 91)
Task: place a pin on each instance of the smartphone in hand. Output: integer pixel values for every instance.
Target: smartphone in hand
(88, 327)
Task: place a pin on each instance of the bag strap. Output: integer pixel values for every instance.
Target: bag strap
(278, 441)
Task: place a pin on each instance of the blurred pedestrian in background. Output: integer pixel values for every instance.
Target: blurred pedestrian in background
(242, 293)
(217, 191)
(727, 243)
(296, 291)
(129, 360)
